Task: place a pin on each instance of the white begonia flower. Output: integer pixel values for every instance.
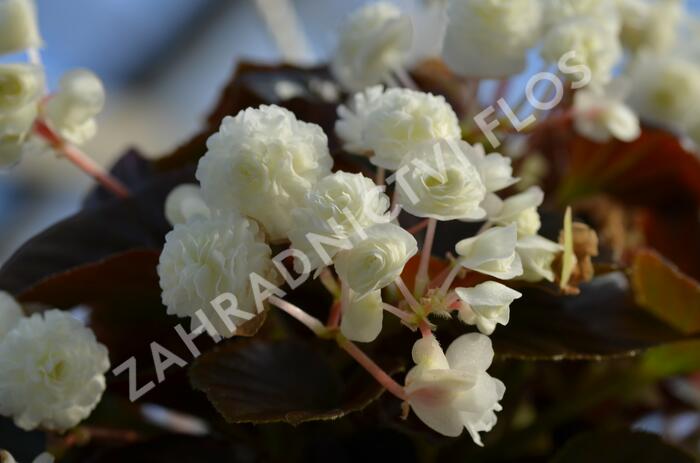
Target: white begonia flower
(373, 41)
(185, 203)
(595, 46)
(376, 260)
(352, 119)
(492, 253)
(18, 26)
(437, 180)
(452, 391)
(600, 115)
(403, 118)
(6, 457)
(362, 318)
(537, 254)
(603, 12)
(505, 28)
(337, 207)
(71, 111)
(204, 259)
(51, 372)
(263, 162)
(486, 304)
(520, 209)
(650, 25)
(10, 313)
(495, 169)
(665, 90)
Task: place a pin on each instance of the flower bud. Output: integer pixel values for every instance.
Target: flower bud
(362, 318)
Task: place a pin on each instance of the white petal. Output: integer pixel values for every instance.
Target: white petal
(471, 352)
(362, 320)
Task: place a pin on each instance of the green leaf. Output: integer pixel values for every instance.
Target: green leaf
(674, 359)
(660, 288)
(260, 381)
(620, 446)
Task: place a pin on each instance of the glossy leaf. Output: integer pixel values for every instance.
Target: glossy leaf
(265, 381)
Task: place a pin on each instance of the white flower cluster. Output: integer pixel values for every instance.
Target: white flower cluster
(51, 368)
(69, 112)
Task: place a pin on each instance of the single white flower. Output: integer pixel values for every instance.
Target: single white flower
(600, 115)
(352, 119)
(10, 313)
(376, 260)
(51, 372)
(595, 46)
(665, 89)
(486, 304)
(520, 209)
(537, 254)
(18, 26)
(403, 118)
(263, 162)
(604, 12)
(203, 259)
(452, 391)
(337, 207)
(71, 111)
(373, 41)
(492, 253)
(650, 24)
(490, 38)
(185, 203)
(362, 318)
(437, 180)
(495, 169)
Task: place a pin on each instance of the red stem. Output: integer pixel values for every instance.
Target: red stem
(373, 369)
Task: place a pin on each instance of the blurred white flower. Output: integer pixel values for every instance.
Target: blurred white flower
(337, 207)
(373, 41)
(10, 313)
(263, 162)
(495, 169)
(492, 253)
(403, 118)
(71, 111)
(204, 259)
(439, 181)
(452, 391)
(352, 119)
(6, 457)
(537, 254)
(520, 209)
(600, 115)
(665, 89)
(18, 26)
(21, 87)
(486, 304)
(595, 46)
(11, 149)
(490, 38)
(51, 372)
(650, 24)
(362, 318)
(377, 260)
(185, 203)
(603, 12)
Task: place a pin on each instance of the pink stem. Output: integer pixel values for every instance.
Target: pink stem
(407, 294)
(81, 160)
(379, 177)
(425, 330)
(373, 369)
(422, 277)
(402, 314)
(310, 322)
(418, 227)
(450, 277)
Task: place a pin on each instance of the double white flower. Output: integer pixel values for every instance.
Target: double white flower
(437, 180)
(51, 371)
(374, 41)
(263, 162)
(450, 391)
